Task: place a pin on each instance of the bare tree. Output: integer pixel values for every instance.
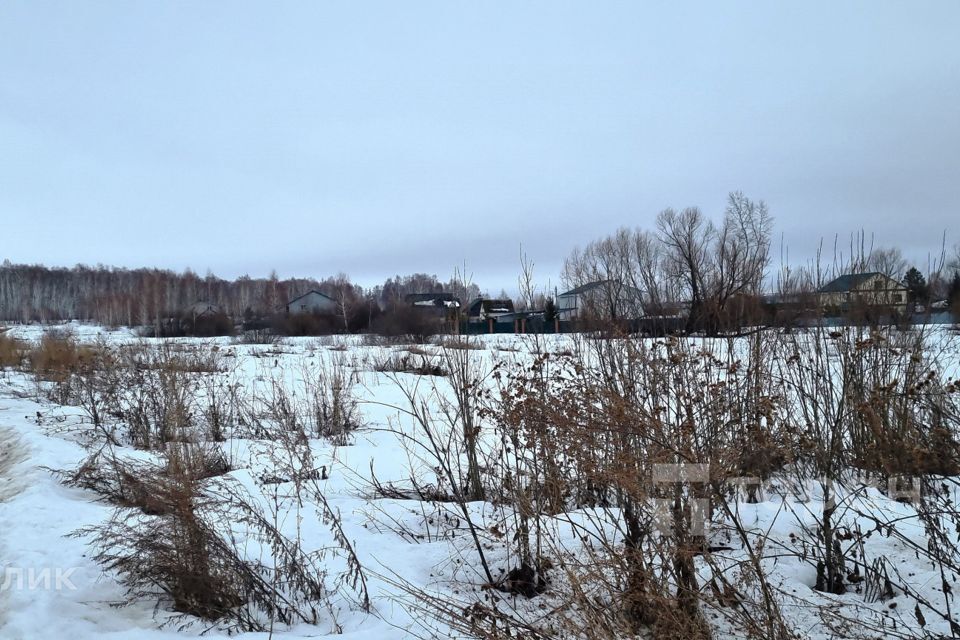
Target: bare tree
(688, 258)
(610, 262)
(741, 256)
(686, 237)
(714, 265)
(888, 261)
(647, 272)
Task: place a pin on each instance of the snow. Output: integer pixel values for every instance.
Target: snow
(420, 543)
(38, 514)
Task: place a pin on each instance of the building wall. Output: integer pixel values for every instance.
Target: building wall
(878, 290)
(568, 307)
(595, 301)
(312, 303)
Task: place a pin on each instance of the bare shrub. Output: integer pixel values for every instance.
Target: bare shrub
(902, 409)
(132, 482)
(869, 400)
(174, 553)
(307, 324)
(600, 438)
(327, 407)
(149, 394)
(174, 540)
(406, 321)
(221, 405)
(332, 408)
(180, 324)
(56, 354)
(94, 385)
(159, 399)
(465, 377)
(446, 432)
(377, 340)
(257, 336)
(583, 440)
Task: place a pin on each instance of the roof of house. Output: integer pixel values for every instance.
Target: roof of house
(432, 300)
(850, 282)
(201, 308)
(308, 293)
(491, 305)
(590, 286)
(412, 298)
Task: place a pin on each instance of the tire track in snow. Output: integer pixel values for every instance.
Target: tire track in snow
(12, 453)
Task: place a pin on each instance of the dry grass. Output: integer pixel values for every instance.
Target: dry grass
(139, 484)
(58, 355)
(179, 358)
(11, 351)
(165, 549)
(581, 432)
(586, 432)
(408, 363)
(171, 540)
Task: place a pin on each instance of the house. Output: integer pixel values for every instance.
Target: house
(202, 309)
(872, 289)
(603, 299)
(312, 302)
(482, 309)
(199, 319)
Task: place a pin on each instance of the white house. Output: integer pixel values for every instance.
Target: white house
(871, 289)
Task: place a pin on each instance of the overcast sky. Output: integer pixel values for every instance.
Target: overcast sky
(383, 138)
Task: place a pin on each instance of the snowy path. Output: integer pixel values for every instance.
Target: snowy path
(12, 452)
(36, 515)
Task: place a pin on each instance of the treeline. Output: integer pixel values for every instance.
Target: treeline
(716, 275)
(136, 297)
(112, 296)
(689, 265)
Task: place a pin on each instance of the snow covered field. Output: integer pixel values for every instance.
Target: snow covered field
(54, 588)
(37, 513)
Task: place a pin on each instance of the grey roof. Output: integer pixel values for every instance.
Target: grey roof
(424, 297)
(590, 286)
(319, 293)
(201, 308)
(849, 282)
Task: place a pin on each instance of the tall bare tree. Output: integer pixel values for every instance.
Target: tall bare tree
(687, 237)
(888, 261)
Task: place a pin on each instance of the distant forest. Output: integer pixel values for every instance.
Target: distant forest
(132, 297)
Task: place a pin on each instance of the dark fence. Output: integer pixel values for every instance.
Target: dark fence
(516, 325)
(651, 326)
